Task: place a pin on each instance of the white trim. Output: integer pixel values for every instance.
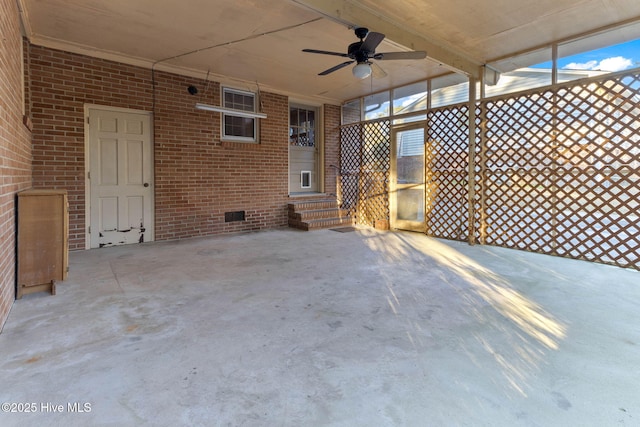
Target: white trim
(246, 114)
(87, 163)
(320, 147)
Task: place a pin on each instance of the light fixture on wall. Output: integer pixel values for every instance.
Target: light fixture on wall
(231, 111)
(362, 70)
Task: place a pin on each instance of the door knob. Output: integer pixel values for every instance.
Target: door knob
(146, 184)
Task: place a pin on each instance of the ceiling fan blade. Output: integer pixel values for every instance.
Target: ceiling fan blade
(372, 41)
(336, 68)
(377, 71)
(325, 52)
(416, 54)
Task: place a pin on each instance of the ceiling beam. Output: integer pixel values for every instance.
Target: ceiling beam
(354, 15)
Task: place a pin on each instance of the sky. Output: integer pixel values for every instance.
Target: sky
(613, 58)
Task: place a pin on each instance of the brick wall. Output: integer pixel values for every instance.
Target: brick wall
(60, 84)
(15, 148)
(197, 177)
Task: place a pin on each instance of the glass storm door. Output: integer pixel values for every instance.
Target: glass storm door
(407, 198)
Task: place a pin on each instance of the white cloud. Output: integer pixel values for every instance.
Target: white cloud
(616, 63)
(581, 65)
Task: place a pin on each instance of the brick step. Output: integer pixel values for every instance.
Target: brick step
(317, 214)
(307, 215)
(312, 205)
(321, 223)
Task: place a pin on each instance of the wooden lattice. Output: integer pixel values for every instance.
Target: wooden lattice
(447, 177)
(598, 158)
(365, 153)
(516, 166)
(350, 147)
(557, 171)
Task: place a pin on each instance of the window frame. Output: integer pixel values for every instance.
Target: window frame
(238, 138)
(312, 132)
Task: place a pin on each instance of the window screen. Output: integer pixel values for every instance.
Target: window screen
(235, 127)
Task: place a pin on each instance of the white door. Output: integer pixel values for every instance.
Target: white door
(120, 176)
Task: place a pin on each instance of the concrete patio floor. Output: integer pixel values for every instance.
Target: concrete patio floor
(290, 328)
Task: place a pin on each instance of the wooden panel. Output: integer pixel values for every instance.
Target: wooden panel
(108, 161)
(108, 214)
(135, 162)
(42, 239)
(135, 211)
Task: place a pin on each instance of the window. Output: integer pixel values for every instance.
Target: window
(576, 62)
(448, 90)
(376, 106)
(410, 99)
(302, 127)
(351, 112)
(238, 128)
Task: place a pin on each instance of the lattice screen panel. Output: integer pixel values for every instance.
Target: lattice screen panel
(517, 170)
(557, 171)
(350, 147)
(364, 171)
(447, 162)
(598, 138)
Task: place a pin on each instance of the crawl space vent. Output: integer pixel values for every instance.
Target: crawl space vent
(234, 216)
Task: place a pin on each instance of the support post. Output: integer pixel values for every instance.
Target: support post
(472, 160)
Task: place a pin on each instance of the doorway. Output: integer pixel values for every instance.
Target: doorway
(119, 177)
(407, 186)
(303, 150)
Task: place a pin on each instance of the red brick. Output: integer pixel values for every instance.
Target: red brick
(197, 177)
(15, 148)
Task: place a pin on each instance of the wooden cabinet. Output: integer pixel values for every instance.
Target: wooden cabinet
(43, 230)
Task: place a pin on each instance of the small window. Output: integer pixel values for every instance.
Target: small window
(238, 128)
(351, 112)
(377, 106)
(448, 90)
(302, 127)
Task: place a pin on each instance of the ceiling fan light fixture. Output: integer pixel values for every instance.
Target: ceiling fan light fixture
(362, 70)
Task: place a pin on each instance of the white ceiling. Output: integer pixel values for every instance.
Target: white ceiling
(260, 41)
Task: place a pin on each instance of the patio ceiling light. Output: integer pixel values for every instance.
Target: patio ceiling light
(362, 70)
(231, 111)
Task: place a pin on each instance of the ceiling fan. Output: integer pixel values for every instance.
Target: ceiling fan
(361, 52)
